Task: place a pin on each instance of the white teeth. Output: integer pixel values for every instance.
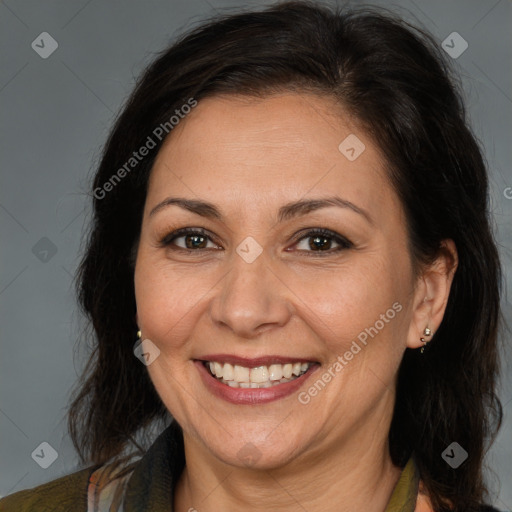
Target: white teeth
(241, 374)
(276, 371)
(227, 372)
(218, 369)
(259, 374)
(258, 377)
(296, 369)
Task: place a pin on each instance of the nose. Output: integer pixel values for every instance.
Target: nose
(251, 299)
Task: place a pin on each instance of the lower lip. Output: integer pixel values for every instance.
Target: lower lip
(251, 396)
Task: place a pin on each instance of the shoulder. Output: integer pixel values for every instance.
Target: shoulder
(423, 503)
(68, 493)
(104, 486)
(95, 488)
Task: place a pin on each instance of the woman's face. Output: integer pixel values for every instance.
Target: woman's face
(298, 254)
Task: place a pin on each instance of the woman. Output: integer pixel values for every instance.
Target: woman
(291, 212)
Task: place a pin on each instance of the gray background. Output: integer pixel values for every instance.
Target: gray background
(56, 116)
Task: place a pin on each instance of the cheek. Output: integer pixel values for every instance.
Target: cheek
(363, 303)
(165, 303)
(347, 301)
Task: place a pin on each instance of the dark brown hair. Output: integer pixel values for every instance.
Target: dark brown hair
(394, 80)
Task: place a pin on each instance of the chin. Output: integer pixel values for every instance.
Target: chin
(257, 452)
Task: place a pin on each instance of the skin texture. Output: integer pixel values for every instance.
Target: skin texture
(249, 157)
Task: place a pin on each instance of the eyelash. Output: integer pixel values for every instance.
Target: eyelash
(343, 243)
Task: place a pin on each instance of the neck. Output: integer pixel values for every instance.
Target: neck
(342, 481)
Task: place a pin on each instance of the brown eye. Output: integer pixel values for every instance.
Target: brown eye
(319, 243)
(188, 239)
(322, 241)
(195, 241)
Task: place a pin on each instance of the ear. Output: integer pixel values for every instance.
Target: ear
(431, 294)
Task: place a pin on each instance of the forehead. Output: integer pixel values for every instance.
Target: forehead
(285, 145)
(290, 126)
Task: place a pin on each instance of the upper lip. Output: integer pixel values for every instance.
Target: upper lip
(255, 361)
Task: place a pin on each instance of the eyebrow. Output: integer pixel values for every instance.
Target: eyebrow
(286, 212)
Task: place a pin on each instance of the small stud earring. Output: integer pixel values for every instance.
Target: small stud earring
(426, 332)
(139, 335)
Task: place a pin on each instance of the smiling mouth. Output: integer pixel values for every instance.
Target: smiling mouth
(237, 376)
